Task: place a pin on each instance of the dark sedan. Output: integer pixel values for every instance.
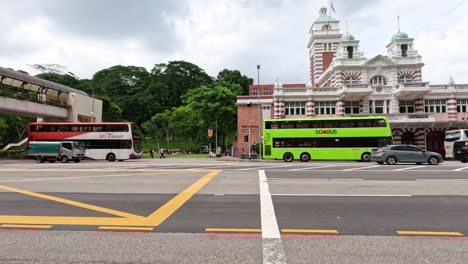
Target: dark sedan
(406, 154)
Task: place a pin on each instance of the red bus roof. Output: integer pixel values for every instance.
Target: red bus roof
(80, 123)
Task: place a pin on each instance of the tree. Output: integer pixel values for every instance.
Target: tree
(235, 77)
(63, 79)
(127, 87)
(216, 104)
(171, 81)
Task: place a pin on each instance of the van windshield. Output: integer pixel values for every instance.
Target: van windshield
(79, 145)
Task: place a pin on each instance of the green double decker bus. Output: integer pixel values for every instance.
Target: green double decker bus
(341, 138)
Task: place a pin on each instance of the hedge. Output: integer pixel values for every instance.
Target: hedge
(12, 154)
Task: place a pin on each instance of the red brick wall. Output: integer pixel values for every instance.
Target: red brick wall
(243, 127)
(327, 59)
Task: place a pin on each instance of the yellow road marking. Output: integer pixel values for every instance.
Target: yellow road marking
(126, 228)
(429, 233)
(102, 170)
(73, 203)
(26, 226)
(322, 231)
(240, 230)
(71, 220)
(165, 211)
(233, 163)
(126, 219)
(84, 177)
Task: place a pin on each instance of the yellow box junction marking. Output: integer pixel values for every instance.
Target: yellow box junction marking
(73, 203)
(429, 233)
(124, 219)
(26, 226)
(316, 231)
(240, 230)
(160, 215)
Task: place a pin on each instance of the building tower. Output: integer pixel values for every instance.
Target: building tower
(323, 41)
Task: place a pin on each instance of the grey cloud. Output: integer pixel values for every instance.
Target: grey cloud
(114, 20)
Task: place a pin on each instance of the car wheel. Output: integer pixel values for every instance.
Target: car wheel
(288, 157)
(391, 160)
(64, 159)
(365, 157)
(40, 160)
(110, 157)
(464, 161)
(305, 157)
(380, 162)
(433, 161)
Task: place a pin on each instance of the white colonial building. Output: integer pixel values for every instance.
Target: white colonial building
(343, 82)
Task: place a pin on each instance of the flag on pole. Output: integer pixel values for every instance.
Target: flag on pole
(332, 7)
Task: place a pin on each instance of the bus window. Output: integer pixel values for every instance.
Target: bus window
(317, 124)
(285, 125)
(452, 136)
(97, 128)
(379, 123)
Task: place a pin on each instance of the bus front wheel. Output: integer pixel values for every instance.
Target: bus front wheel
(288, 157)
(110, 157)
(305, 157)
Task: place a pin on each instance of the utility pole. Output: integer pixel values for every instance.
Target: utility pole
(249, 106)
(216, 136)
(260, 141)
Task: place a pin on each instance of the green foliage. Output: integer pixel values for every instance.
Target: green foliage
(12, 154)
(235, 77)
(13, 129)
(171, 81)
(127, 86)
(63, 79)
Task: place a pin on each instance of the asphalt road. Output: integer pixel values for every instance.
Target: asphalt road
(205, 211)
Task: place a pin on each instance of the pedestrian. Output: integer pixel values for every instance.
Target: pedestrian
(152, 153)
(161, 151)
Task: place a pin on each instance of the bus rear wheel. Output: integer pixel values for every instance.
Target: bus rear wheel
(110, 157)
(40, 160)
(365, 157)
(288, 157)
(305, 157)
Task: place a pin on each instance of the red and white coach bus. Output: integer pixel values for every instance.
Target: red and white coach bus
(110, 141)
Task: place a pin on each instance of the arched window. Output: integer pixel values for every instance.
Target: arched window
(378, 80)
(326, 27)
(351, 80)
(405, 78)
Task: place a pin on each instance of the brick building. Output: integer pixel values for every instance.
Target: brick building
(344, 82)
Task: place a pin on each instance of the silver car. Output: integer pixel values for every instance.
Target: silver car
(405, 153)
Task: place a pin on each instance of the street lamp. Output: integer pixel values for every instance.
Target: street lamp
(249, 104)
(259, 115)
(92, 110)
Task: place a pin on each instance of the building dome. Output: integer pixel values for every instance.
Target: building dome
(400, 35)
(347, 37)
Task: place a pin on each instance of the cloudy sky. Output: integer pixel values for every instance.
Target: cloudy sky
(89, 35)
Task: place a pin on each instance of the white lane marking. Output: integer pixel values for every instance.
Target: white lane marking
(362, 168)
(273, 249)
(409, 168)
(342, 195)
(311, 168)
(460, 169)
(269, 167)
